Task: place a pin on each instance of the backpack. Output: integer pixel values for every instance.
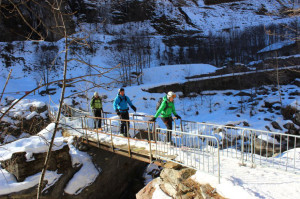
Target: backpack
(122, 100)
(159, 103)
(93, 100)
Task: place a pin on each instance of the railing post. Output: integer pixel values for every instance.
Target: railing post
(181, 128)
(242, 149)
(219, 170)
(252, 148)
(149, 141)
(97, 131)
(85, 127)
(111, 136)
(127, 126)
(133, 124)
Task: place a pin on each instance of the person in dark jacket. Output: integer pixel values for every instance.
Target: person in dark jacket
(121, 103)
(96, 106)
(166, 109)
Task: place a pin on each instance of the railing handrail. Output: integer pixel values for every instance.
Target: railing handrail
(241, 128)
(158, 130)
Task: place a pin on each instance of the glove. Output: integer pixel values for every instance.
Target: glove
(152, 119)
(118, 112)
(177, 117)
(133, 108)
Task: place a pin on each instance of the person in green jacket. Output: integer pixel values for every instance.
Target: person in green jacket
(96, 106)
(166, 109)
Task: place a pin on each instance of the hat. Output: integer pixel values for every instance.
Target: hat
(121, 89)
(96, 94)
(171, 94)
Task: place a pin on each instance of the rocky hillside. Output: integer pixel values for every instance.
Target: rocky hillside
(216, 30)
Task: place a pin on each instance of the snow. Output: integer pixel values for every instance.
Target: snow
(149, 170)
(267, 139)
(31, 115)
(158, 193)
(175, 73)
(87, 173)
(246, 182)
(276, 46)
(9, 184)
(37, 144)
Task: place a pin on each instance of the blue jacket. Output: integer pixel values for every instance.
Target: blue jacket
(121, 103)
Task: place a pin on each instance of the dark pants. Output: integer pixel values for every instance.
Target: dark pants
(124, 125)
(168, 122)
(97, 113)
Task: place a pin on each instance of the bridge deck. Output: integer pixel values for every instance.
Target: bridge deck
(140, 153)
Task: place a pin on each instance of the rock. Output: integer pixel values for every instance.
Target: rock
(266, 148)
(268, 104)
(276, 125)
(288, 112)
(172, 165)
(242, 93)
(175, 182)
(289, 126)
(38, 109)
(33, 125)
(296, 118)
(246, 124)
(147, 191)
(268, 128)
(172, 179)
(21, 168)
(9, 100)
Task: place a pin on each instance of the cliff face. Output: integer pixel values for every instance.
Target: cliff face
(33, 20)
(23, 19)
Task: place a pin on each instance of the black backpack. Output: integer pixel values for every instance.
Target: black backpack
(159, 103)
(122, 99)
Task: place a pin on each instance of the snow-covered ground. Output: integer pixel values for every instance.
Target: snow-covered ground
(247, 182)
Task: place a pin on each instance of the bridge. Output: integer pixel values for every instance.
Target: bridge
(195, 145)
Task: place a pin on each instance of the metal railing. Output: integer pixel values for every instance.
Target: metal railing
(271, 149)
(200, 152)
(194, 144)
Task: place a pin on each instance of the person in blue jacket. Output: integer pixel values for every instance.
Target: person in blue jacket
(121, 103)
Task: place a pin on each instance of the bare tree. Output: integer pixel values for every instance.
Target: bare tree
(38, 29)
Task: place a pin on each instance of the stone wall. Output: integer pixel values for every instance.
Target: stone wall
(232, 82)
(21, 168)
(211, 2)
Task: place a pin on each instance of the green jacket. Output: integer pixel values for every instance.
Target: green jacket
(96, 103)
(168, 111)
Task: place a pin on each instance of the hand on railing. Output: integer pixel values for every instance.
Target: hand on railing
(152, 119)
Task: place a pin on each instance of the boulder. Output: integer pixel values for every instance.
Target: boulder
(175, 182)
(296, 118)
(276, 125)
(288, 112)
(39, 109)
(289, 126)
(147, 191)
(266, 148)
